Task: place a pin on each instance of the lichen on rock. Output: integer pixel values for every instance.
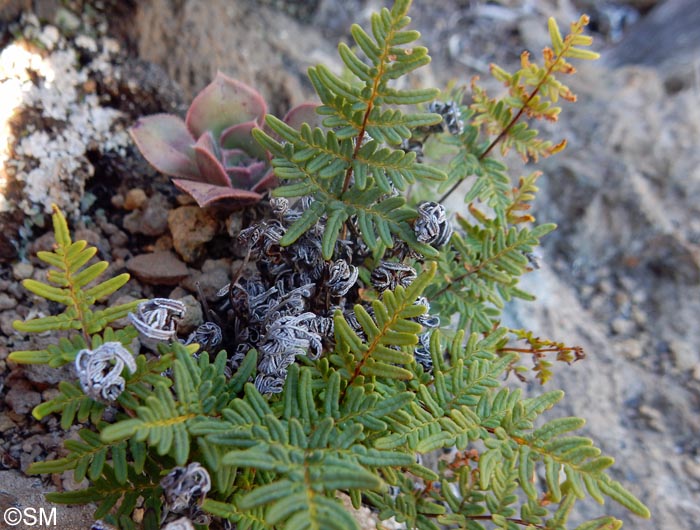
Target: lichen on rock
(53, 117)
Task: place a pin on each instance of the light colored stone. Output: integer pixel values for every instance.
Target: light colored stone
(696, 372)
(135, 199)
(22, 270)
(622, 326)
(685, 356)
(631, 348)
(158, 268)
(653, 417)
(7, 302)
(191, 227)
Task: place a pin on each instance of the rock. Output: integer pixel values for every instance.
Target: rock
(6, 424)
(158, 268)
(164, 242)
(135, 199)
(28, 492)
(7, 302)
(622, 326)
(155, 215)
(43, 375)
(692, 467)
(669, 255)
(22, 270)
(152, 220)
(7, 317)
(191, 227)
(209, 281)
(43, 242)
(132, 222)
(108, 228)
(696, 372)
(630, 348)
(193, 316)
(69, 484)
(685, 356)
(61, 126)
(50, 393)
(118, 201)
(258, 45)
(119, 239)
(93, 238)
(21, 398)
(666, 39)
(653, 417)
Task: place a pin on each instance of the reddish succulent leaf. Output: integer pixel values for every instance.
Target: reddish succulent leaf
(246, 177)
(268, 181)
(222, 102)
(206, 194)
(210, 168)
(239, 137)
(165, 142)
(304, 113)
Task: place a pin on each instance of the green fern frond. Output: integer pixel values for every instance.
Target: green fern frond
(73, 404)
(346, 168)
(376, 213)
(309, 465)
(482, 272)
(69, 285)
(109, 494)
(166, 414)
(390, 329)
(88, 457)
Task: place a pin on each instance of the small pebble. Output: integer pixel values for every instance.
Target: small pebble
(22, 270)
(155, 216)
(653, 417)
(109, 228)
(184, 200)
(119, 239)
(21, 398)
(158, 268)
(193, 316)
(135, 199)
(7, 302)
(118, 201)
(696, 372)
(50, 393)
(622, 326)
(164, 242)
(191, 228)
(631, 348)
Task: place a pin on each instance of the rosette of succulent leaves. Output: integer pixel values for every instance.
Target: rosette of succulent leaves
(367, 337)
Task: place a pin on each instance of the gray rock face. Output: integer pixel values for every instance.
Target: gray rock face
(623, 280)
(255, 44)
(21, 492)
(668, 40)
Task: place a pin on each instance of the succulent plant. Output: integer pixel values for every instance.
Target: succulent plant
(212, 153)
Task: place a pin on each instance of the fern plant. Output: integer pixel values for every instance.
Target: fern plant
(367, 337)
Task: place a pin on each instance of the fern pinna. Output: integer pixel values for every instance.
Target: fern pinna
(367, 337)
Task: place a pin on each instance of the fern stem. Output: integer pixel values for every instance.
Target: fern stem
(475, 269)
(517, 116)
(363, 129)
(510, 520)
(74, 296)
